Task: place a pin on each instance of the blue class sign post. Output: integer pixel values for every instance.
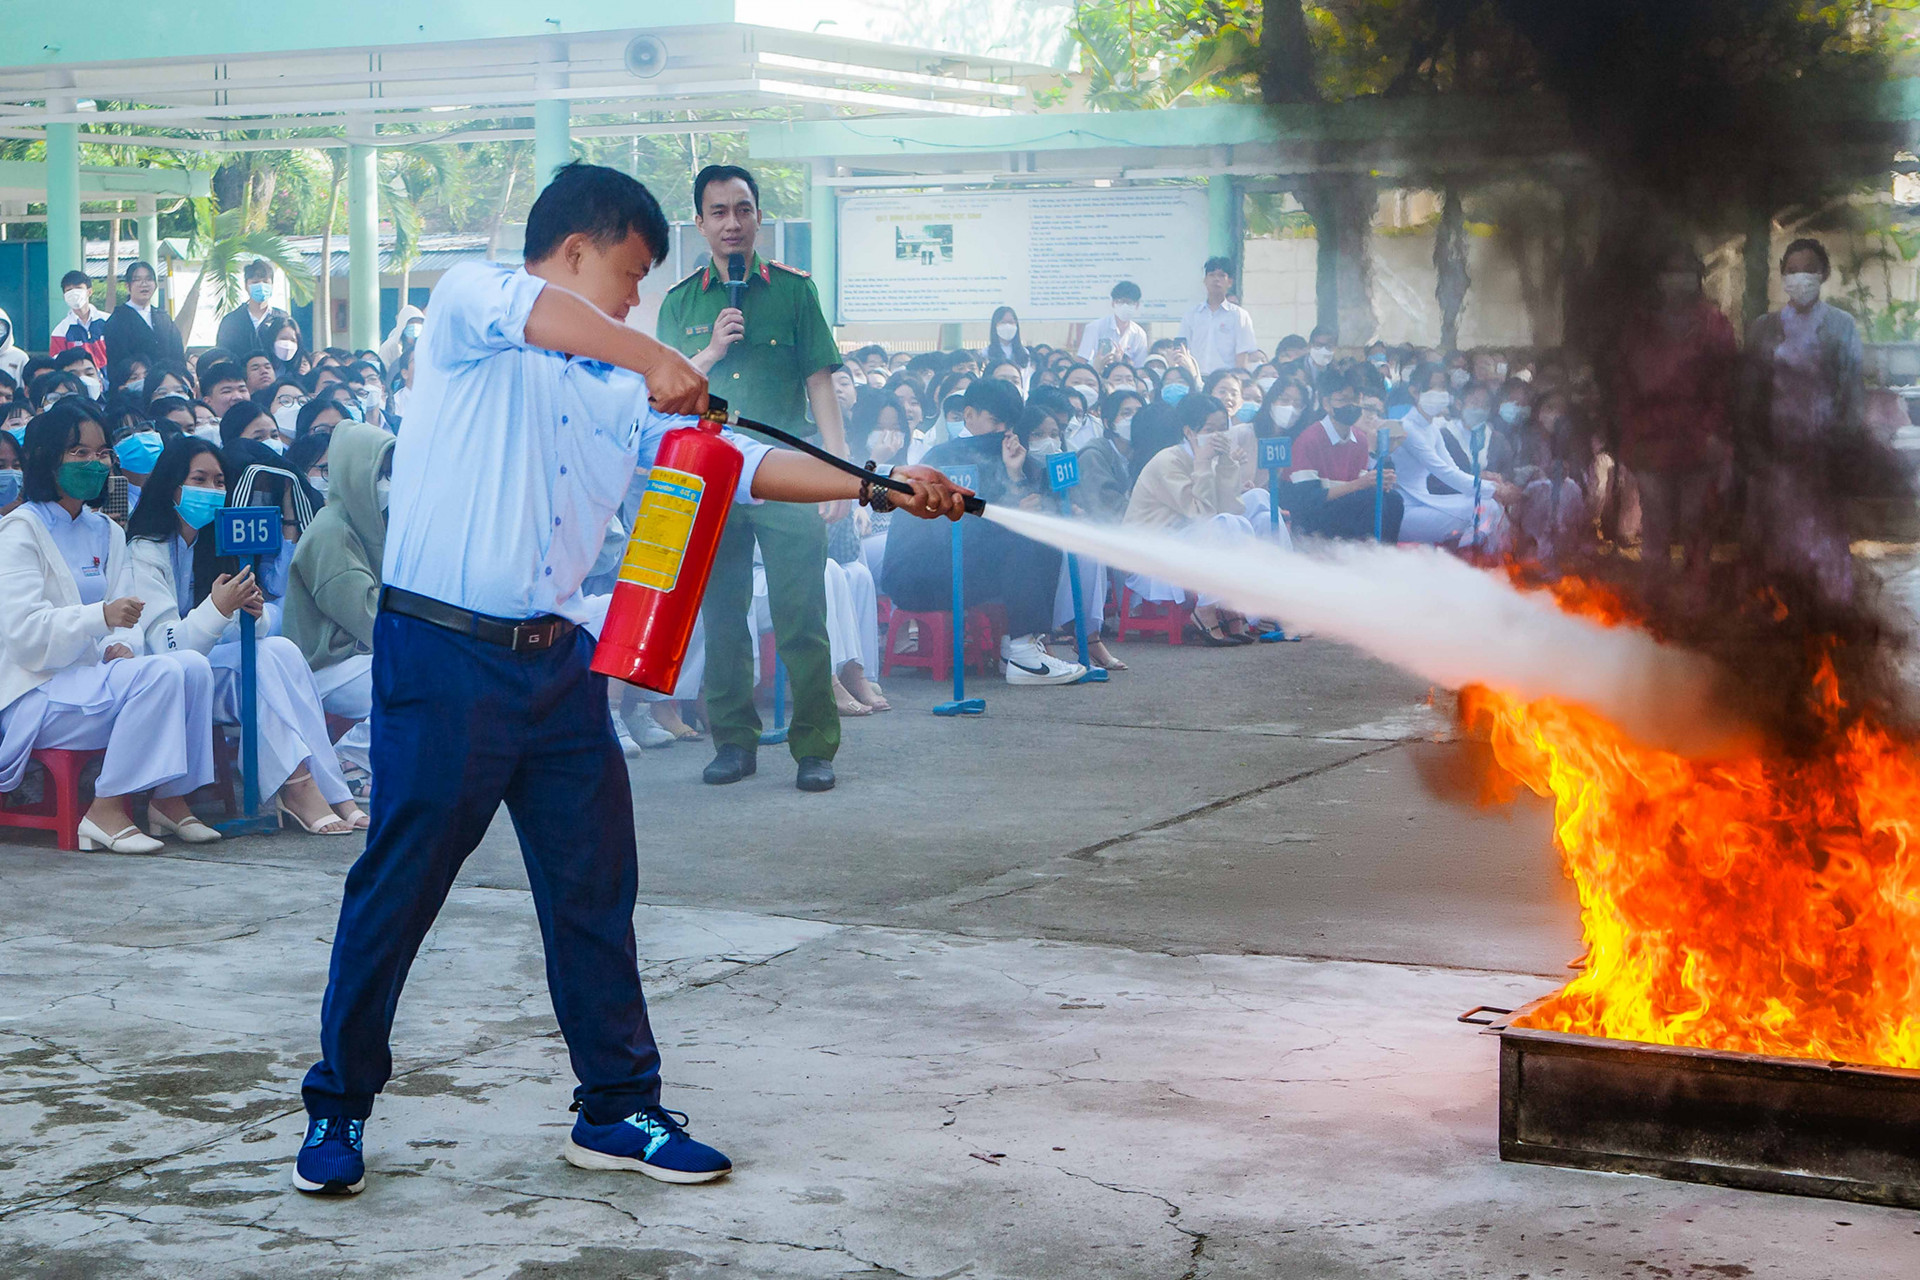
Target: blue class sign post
(962, 705)
(248, 533)
(1276, 455)
(1063, 474)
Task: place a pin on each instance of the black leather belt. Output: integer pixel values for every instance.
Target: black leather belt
(527, 635)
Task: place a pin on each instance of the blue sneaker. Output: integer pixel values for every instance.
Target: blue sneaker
(330, 1162)
(652, 1141)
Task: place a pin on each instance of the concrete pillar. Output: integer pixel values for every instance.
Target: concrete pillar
(64, 249)
(146, 222)
(552, 143)
(823, 211)
(363, 246)
(1223, 218)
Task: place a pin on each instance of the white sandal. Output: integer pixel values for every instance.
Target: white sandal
(126, 840)
(189, 828)
(331, 825)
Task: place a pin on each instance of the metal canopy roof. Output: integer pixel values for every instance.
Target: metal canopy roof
(636, 64)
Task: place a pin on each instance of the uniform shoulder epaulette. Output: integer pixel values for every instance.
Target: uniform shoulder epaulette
(690, 277)
(795, 270)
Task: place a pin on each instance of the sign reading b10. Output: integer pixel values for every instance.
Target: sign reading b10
(247, 531)
(1276, 453)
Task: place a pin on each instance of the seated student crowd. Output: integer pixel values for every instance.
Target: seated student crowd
(118, 630)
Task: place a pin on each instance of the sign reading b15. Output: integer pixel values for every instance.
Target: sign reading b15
(247, 531)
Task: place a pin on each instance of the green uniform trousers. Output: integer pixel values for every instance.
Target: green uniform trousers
(793, 547)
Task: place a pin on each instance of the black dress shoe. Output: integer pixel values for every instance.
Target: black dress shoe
(730, 764)
(815, 774)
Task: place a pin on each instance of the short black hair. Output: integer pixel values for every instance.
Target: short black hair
(1126, 291)
(721, 173)
(1194, 410)
(1807, 244)
(240, 415)
(138, 264)
(49, 436)
(258, 269)
(601, 203)
(220, 371)
(70, 356)
(998, 400)
(1217, 263)
(51, 383)
(73, 278)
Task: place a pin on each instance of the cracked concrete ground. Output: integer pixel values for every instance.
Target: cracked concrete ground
(1150, 980)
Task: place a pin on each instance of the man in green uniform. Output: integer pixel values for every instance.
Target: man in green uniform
(770, 359)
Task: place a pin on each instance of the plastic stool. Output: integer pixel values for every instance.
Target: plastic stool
(1167, 619)
(63, 787)
(935, 654)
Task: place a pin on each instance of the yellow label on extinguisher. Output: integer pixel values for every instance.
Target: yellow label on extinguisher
(661, 530)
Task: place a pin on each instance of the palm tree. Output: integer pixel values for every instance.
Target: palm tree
(224, 246)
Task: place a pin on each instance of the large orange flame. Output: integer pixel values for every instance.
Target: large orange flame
(1760, 905)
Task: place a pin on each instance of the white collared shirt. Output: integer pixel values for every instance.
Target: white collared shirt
(145, 313)
(1132, 348)
(84, 542)
(1218, 339)
(514, 458)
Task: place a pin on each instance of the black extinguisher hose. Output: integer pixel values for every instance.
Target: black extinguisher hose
(717, 411)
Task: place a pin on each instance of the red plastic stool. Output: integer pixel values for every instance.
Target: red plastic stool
(1167, 619)
(935, 654)
(63, 795)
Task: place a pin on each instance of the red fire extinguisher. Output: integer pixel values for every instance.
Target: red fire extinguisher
(669, 557)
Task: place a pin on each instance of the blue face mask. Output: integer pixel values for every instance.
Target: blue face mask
(197, 506)
(1247, 411)
(19, 434)
(411, 331)
(1377, 360)
(1513, 413)
(258, 291)
(1174, 392)
(139, 451)
(9, 486)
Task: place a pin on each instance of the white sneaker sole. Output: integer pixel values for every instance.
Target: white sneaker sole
(581, 1158)
(319, 1188)
(1019, 675)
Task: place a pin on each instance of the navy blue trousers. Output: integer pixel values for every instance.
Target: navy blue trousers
(460, 726)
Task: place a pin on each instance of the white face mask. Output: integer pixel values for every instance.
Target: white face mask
(1435, 403)
(287, 418)
(319, 484)
(275, 443)
(1044, 448)
(1265, 384)
(373, 398)
(92, 384)
(76, 297)
(1803, 287)
(1321, 356)
(1283, 415)
(1007, 332)
(283, 348)
(1459, 377)
(382, 489)
(1089, 391)
(1123, 426)
(1124, 312)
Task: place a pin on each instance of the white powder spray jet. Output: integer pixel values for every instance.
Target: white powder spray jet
(1436, 616)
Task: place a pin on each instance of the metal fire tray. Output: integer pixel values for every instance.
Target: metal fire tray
(1832, 1129)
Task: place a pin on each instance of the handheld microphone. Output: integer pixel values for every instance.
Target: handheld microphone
(736, 279)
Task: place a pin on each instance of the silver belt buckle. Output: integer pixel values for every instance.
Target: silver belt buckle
(533, 635)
